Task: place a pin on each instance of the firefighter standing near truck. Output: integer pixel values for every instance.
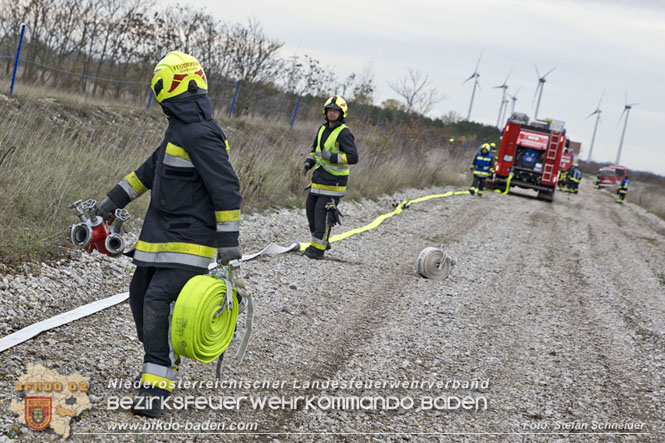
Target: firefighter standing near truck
(623, 190)
(194, 213)
(481, 166)
(596, 184)
(573, 180)
(333, 150)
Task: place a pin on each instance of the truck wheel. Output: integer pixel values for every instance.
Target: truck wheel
(548, 196)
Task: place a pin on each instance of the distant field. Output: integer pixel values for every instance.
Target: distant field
(56, 151)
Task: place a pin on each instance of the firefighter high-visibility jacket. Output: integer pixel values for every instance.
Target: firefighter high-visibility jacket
(195, 198)
(575, 175)
(481, 164)
(330, 177)
(623, 188)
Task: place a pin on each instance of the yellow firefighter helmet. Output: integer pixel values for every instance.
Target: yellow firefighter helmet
(174, 73)
(336, 102)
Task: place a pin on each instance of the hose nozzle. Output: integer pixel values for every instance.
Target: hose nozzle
(114, 244)
(81, 234)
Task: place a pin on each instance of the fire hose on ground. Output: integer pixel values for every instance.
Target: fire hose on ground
(435, 263)
(216, 316)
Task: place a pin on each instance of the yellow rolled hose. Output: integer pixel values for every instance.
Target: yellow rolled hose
(202, 325)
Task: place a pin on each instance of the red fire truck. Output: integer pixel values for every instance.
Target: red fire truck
(530, 155)
(611, 175)
(567, 159)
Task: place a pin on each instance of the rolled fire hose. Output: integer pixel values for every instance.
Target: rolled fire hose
(435, 263)
(204, 318)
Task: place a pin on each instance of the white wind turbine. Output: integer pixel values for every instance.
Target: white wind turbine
(595, 127)
(539, 89)
(513, 98)
(474, 76)
(626, 111)
(504, 101)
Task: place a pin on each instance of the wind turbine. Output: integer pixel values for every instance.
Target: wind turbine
(503, 86)
(514, 99)
(626, 110)
(502, 117)
(539, 89)
(595, 127)
(474, 76)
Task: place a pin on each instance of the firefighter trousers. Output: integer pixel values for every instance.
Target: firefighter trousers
(152, 292)
(478, 184)
(315, 207)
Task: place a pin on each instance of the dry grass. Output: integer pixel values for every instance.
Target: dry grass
(54, 151)
(648, 195)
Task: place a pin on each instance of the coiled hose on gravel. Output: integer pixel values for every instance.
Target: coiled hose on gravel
(435, 263)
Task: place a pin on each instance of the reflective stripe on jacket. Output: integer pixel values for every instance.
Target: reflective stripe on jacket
(327, 179)
(624, 186)
(481, 164)
(195, 193)
(575, 175)
(331, 145)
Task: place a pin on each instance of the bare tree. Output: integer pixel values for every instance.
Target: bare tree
(418, 94)
(451, 117)
(363, 89)
(252, 54)
(308, 77)
(392, 105)
(358, 88)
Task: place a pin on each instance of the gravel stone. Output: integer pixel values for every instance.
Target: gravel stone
(559, 308)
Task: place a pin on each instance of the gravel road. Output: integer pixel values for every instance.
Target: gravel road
(551, 327)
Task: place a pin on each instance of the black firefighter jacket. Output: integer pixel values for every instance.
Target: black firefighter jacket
(195, 197)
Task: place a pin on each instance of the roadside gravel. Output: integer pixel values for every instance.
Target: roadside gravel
(554, 316)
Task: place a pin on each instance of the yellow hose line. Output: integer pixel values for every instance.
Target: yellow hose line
(202, 325)
(381, 218)
(510, 177)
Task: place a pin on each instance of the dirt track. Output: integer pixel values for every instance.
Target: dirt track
(559, 307)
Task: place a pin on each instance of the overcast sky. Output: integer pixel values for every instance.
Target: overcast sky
(595, 46)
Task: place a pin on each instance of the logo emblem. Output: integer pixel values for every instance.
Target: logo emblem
(38, 412)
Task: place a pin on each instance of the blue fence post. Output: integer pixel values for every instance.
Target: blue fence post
(149, 99)
(295, 113)
(18, 55)
(235, 96)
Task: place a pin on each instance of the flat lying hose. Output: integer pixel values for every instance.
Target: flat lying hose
(434, 263)
(204, 318)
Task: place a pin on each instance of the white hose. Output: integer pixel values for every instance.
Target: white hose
(435, 263)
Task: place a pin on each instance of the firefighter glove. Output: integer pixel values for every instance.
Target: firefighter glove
(106, 209)
(333, 216)
(226, 254)
(307, 166)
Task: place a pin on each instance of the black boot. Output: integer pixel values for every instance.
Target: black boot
(313, 253)
(150, 402)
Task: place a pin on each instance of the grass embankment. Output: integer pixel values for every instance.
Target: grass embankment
(56, 151)
(650, 196)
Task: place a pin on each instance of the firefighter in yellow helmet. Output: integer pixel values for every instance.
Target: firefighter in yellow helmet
(333, 150)
(481, 166)
(194, 213)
